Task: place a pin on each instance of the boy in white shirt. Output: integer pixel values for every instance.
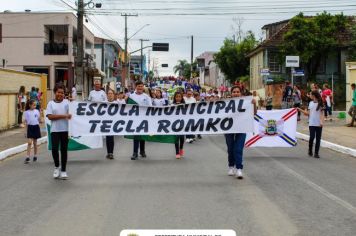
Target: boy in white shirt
(141, 99)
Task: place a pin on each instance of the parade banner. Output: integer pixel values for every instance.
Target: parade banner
(75, 143)
(276, 128)
(218, 117)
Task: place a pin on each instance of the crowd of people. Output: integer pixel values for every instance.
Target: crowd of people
(318, 109)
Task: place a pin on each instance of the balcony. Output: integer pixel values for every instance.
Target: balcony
(55, 49)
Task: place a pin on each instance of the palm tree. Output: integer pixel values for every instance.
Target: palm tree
(181, 66)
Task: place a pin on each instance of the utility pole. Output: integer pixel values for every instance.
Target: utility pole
(191, 56)
(126, 64)
(80, 49)
(142, 40)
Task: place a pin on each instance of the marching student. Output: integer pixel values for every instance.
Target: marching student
(316, 117)
(97, 95)
(121, 98)
(159, 100)
(236, 142)
(58, 113)
(32, 121)
(179, 144)
(141, 99)
(110, 141)
(188, 100)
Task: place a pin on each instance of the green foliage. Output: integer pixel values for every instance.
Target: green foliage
(232, 57)
(352, 48)
(313, 39)
(183, 68)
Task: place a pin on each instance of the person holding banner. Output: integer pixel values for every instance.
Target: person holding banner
(179, 144)
(236, 142)
(57, 112)
(110, 142)
(141, 99)
(316, 118)
(189, 99)
(159, 100)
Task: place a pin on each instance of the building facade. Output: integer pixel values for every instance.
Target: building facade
(45, 43)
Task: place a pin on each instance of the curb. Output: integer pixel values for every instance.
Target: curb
(18, 149)
(330, 145)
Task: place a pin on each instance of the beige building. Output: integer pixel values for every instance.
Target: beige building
(350, 79)
(11, 81)
(45, 43)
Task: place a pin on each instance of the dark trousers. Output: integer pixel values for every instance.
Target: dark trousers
(179, 143)
(297, 105)
(19, 117)
(352, 113)
(60, 139)
(315, 132)
(110, 144)
(137, 144)
(327, 111)
(190, 136)
(268, 108)
(235, 147)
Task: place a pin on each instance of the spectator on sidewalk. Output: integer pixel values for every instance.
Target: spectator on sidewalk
(21, 105)
(269, 101)
(327, 96)
(316, 118)
(257, 98)
(32, 121)
(352, 110)
(297, 99)
(287, 95)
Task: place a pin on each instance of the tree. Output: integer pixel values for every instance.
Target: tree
(352, 48)
(232, 57)
(313, 38)
(184, 68)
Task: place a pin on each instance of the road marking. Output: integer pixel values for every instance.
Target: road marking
(316, 187)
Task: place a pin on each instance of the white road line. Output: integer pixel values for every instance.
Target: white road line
(318, 188)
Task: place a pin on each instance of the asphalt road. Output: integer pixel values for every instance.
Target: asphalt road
(284, 192)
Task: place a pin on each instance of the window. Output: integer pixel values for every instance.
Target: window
(321, 67)
(273, 62)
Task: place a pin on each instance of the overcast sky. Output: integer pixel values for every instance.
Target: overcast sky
(174, 21)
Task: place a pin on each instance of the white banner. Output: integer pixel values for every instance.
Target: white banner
(276, 128)
(224, 116)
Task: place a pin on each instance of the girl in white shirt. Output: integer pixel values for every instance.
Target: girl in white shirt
(316, 117)
(58, 113)
(121, 98)
(159, 101)
(32, 121)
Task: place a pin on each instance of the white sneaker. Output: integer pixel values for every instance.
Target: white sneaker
(239, 174)
(56, 173)
(231, 171)
(64, 175)
(187, 140)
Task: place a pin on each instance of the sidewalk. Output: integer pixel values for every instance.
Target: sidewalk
(334, 131)
(15, 137)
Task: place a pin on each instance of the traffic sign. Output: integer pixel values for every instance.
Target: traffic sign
(264, 71)
(160, 47)
(298, 72)
(292, 61)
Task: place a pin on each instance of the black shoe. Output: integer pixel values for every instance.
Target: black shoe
(199, 136)
(310, 153)
(34, 159)
(110, 156)
(134, 156)
(316, 155)
(27, 160)
(143, 155)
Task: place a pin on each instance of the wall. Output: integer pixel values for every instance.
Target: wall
(10, 83)
(256, 64)
(350, 79)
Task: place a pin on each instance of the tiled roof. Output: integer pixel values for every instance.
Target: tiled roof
(276, 39)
